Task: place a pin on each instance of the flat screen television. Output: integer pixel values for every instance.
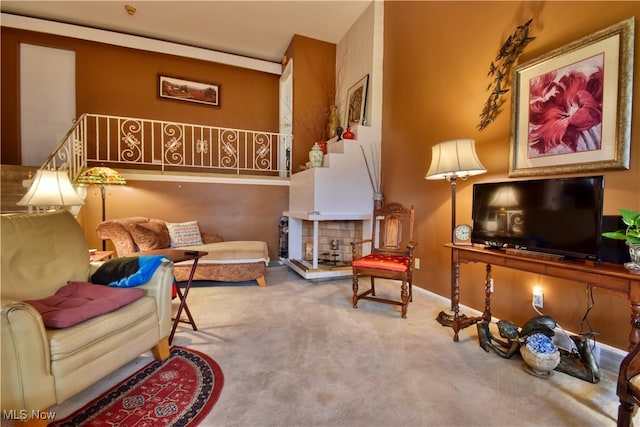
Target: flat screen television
(561, 216)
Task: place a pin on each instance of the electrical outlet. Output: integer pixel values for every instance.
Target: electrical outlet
(416, 263)
(538, 300)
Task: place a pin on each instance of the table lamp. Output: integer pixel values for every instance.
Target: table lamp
(51, 189)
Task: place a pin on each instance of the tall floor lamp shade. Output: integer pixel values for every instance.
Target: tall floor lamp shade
(101, 176)
(50, 189)
(453, 160)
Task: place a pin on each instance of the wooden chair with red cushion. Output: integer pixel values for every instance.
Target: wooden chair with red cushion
(391, 256)
(629, 386)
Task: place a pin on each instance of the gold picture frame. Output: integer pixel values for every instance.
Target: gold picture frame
(571, 108)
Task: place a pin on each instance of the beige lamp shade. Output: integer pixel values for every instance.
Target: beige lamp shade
(51, 188)
(455, 158)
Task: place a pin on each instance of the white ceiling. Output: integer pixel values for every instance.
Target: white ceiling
(259, 29)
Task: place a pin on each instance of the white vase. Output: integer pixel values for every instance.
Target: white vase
(316, 156)
(539, 364)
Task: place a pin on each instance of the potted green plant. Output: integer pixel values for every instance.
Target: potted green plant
(631, 234)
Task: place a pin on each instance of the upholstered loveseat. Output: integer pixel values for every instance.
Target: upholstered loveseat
(41, 365)
(232, 261)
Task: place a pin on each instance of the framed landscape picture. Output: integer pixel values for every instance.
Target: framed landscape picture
(571, 108)
(188, 90)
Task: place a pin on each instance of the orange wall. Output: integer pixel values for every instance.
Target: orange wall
(120, 81)
(436, 59)
(314, 64)
(236, 212)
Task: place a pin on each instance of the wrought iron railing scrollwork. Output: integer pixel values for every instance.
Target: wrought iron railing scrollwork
(130, 129)
(170, 146)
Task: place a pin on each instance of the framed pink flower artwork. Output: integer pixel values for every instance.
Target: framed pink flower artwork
(571, 108)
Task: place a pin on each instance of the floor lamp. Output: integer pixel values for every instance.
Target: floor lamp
(453, 160)
(101, 176)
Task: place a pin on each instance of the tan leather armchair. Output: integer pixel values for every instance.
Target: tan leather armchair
(40, 366)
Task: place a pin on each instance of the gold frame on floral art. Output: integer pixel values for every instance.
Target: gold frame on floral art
(547, 134)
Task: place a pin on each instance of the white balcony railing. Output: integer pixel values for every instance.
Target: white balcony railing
(169, 146)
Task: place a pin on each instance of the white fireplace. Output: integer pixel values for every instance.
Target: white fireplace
(332, 202)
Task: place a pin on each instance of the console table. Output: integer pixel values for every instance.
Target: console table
(613, 278)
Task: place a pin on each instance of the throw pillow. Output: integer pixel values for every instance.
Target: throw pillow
(184, 233)
(150, 235)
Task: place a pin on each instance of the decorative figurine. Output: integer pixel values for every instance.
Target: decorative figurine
(507, 330)
(579, 363)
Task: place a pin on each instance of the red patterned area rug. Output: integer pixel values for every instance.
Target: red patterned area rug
(177, 392)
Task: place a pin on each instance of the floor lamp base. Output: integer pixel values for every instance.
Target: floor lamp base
(103, 193)
(445, 317)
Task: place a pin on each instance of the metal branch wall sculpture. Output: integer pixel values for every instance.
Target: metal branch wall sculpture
(500, 69)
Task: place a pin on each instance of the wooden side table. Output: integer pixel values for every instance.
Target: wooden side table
(176, 256)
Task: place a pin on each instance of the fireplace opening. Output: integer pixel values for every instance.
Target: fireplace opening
(334, 241)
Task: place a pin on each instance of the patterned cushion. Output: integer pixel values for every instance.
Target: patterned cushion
(150, 235)
(184, 233)
(383, 262)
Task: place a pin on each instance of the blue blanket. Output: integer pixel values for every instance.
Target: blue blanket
(127, 272)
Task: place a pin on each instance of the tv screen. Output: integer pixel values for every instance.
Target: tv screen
(560, 216)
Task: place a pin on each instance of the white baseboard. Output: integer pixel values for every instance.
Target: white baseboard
(607, 357)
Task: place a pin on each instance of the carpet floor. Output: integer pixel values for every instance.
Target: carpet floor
(297, 354)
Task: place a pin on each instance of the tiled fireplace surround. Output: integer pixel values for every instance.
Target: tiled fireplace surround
(343, 231)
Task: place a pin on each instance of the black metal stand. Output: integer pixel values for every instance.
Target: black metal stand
(103, 192)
